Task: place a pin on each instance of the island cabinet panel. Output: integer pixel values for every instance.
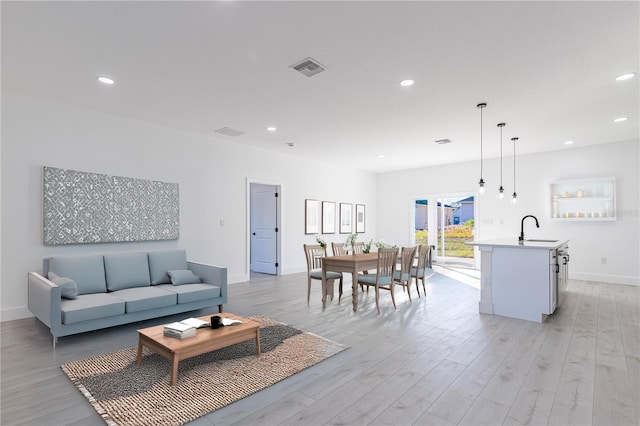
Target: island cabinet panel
(522, 279)
(521, 283)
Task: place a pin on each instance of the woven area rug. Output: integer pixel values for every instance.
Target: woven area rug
(125, 394)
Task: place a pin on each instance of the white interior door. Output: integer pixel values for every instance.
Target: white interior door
(264, 242)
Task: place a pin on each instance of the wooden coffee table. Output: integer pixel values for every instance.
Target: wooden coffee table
(206, 340)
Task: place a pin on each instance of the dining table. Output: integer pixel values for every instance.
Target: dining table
(353, 263)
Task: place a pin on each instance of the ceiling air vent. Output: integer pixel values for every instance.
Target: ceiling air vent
(309, 67)
(230, 132)
(443, 141)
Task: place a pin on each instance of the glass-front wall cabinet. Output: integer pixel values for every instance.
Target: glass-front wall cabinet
(584, 199)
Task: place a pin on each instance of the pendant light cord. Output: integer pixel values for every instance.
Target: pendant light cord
(481, 106)
(501, 125)
(481, 156)
(514, 164)
(501, 189)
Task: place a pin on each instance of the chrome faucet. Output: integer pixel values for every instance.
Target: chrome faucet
(521, 238)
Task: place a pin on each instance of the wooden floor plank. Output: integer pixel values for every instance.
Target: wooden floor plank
(531, 406)
(411, 405)
(612, 404)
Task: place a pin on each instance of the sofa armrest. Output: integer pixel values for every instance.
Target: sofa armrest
(210, 274)
(44, 300)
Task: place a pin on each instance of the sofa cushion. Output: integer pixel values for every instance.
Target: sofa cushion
(126, 270)
(183, 277)
(68, 286)
(144, 298)
(86, 271)
(91, 306)
(160, 262)
(192, 292)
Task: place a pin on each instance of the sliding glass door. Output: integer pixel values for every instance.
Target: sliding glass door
(446, 222)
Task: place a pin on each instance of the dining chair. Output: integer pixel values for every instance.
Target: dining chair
(358, 248)
(420, 270)
(338, 249)
(314, 254)
(403, 276)
(383, 278)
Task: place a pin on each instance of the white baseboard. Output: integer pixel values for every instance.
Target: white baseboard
(10, 314)
(290, 271)
(605, 278)
(240, 278)
(485, 308)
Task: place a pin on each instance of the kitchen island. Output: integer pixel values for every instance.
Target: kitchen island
(522, 279)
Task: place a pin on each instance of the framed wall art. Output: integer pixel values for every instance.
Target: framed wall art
(328, 217)
(311, 216)
(87, 208)
(345, 218)
(359, 218)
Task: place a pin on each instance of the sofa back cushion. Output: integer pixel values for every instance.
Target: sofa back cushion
(68, 287)
(86, 271)
(126, 270)
(160, 262)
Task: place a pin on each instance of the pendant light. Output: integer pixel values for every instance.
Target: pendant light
(501, 189)
(514, 198)
(481, 182)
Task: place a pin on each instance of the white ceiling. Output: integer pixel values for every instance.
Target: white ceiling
(547, 69)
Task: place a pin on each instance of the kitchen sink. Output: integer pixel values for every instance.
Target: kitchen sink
(542, 241)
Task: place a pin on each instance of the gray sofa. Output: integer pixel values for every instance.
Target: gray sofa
(75, 294)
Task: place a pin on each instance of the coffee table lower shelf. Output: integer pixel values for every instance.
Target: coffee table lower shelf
(206, 340)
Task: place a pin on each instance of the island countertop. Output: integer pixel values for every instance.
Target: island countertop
(533, 243)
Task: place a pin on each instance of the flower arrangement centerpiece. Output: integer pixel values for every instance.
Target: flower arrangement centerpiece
(381, 244)
(348, 244)
(367, 246)
(321, 241)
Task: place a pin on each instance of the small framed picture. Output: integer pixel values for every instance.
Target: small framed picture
(311, 216)
(345, 217)
(328, 217)
(359, 218)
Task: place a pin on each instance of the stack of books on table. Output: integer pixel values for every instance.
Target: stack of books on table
(179, 330)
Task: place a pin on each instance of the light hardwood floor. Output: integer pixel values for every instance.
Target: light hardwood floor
(436, 361)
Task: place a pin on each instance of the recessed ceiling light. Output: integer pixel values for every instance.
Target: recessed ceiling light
(380, 155)
(568, 142)
(271, 129)
(626, 76)
(105, 80)
(291, 144)
(406, 83)
(621, 119)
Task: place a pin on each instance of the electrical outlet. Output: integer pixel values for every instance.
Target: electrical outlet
(221, 222)
(603, 260)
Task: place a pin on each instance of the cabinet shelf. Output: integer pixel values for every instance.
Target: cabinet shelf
(579, 200)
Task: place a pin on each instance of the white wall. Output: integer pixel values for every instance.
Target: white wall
(618, 241)
(212, 175)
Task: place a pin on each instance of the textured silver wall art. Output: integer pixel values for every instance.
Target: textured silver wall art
(83, 207)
